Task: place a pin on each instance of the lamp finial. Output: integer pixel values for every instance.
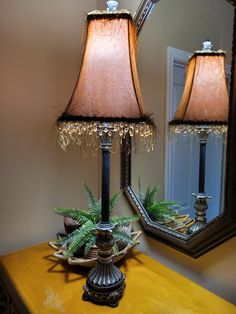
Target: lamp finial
(112, 5)
(207, 45)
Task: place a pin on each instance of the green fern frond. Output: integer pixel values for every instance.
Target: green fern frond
(120, 235)
(123, 220)
(80, 239)
(94, 204)
(150, 196)
(141, 197)
(169, 203)
(69, 237)
(141, 193)
(114, 200)
(164, 216)
(163, 210)
(83, 236)
(97, 209)
(115, 249)
(158, 207)
(79, 215)
(89, 244)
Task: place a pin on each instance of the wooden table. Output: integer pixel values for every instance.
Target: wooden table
(38, 283)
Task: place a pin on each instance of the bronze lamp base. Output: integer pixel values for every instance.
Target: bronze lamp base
(105, 283)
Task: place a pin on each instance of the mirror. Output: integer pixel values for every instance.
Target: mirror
(167, 177)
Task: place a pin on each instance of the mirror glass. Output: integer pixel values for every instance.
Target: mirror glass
(165, 179)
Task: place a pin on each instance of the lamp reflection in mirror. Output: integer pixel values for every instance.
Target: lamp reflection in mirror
(203, 110)
(106, 104)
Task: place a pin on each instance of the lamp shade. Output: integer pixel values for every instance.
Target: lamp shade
(205, 98)
(107, 89)
(108, 84)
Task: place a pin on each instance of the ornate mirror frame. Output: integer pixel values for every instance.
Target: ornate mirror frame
(223, 226)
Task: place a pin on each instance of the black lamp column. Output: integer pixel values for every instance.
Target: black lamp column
(203, 136)
(201, 198)
(105, 182)
(105, 282)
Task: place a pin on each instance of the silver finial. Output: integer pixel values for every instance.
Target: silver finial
(207, 45)
(112, 5)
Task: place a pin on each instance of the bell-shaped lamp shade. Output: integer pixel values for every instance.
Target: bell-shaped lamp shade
(107, 89)
(205, 98)
(108, 84)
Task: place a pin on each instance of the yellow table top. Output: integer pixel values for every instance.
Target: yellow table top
(47, 285)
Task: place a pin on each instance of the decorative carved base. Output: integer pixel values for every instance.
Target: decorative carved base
(109, 295)
(196, 226)
(105, 283)
(201, 209)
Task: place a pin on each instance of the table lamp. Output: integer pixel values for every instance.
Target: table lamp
(106, 104)
(203, 110)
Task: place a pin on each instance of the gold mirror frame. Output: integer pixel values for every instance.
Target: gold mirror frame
(223, 226)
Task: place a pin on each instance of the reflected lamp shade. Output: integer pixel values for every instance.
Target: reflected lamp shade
(107, 89)
(205, 98)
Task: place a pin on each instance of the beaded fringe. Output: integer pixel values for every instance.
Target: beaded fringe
(197, 129)
(86, 135)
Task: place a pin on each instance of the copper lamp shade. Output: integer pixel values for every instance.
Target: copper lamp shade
(107, 89)
(205, 98)
(108, 84)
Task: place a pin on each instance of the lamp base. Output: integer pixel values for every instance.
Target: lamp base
(105, 283)
(198, 225)
(201, 207)
(109, 294)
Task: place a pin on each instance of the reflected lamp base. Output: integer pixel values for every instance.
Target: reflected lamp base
(201, 207)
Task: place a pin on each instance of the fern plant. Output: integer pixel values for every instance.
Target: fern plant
(84, 236)
(158, 210)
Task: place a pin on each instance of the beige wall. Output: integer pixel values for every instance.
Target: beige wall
(39, 61)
